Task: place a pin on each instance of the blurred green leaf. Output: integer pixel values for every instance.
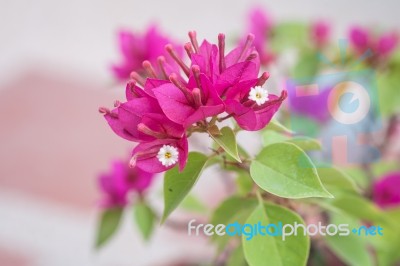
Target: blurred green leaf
(307, 66)
(145, 219)
(236, 258)
(109, 222)
(275, 125)
(192, 203)
(244, 182)
(333, 178)
(289, 35)
(233, 209)
(352, 249)
(388, 88)
(358, 207)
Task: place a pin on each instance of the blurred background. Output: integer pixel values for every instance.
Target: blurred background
(55, 59)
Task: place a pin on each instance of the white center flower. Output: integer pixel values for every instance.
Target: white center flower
(259, 95)
(168, 155)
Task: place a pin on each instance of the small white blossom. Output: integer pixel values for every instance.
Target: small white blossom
(259, 95)
(168, 155)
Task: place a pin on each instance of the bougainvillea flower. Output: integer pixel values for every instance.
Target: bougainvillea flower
(120, 181)
(136, 49)
(320, 32)
(251, 105)
(224, 70)
(160, 155)
(141, 119)
(386, 191)
(260, 24)
(383, 45)
(125, 118)
(189, 104)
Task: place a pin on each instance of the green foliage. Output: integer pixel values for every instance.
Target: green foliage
(388, 87)
(192, 204)
(352, 249)
(227, 141)
(334, 179)
(269, 250)
(307, 66)
(357, 207)
(178, 184)
(109, 222)
(233, 209)
(145, 219)
(305, 143)
(276, 126)
(285, 170)
(236, 258)
(289, 35)
(244, 182)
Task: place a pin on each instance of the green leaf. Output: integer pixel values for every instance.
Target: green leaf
(228, 142)
(272, 250)
(358, 175)
(307, 65)
(233, 209)
(109, 222)
(358, 207)
(389, 100)
(306, 143)
(387, 251)
(244, 182)
(288, 35)
(285, 170)
(236, 258)
(381, 168)
(270, 137)
(352, 249)
(191, 203)
(178, 184)
(274, 125)
(145, 219)
(333, 178)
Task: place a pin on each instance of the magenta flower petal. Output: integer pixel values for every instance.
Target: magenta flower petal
(133, 91)
(116, 184)
(124, 119)
(260, 24)
(386, 191)
(145, 154)
(173, 103)
(159, 123)
(320, 32)
(359, 38)
(207, 59)
(237, 73)
(252, 117)
(136, 48)
(387, 43)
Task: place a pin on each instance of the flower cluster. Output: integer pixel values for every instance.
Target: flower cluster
(320, 33)
(121, 180)
(162, 110)
(382, 46)
(136, 48)
(261, 25)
